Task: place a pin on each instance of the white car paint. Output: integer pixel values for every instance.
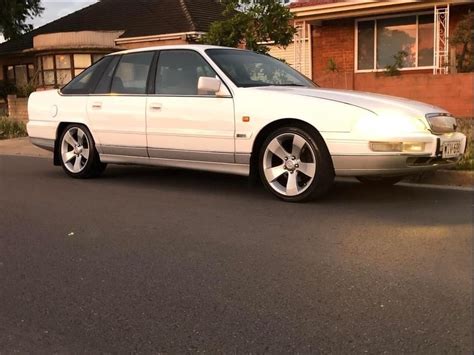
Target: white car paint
(141, 128)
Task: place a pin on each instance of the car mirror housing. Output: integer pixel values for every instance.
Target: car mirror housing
(207, 84)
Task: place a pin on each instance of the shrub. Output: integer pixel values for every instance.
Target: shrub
(25, 90)
(10, 128)
(462, 39)
(399, 63)
(467, 162)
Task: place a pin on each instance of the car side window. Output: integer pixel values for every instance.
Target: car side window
(84, 83)
(103, 87)
(131, 74)
(178, 72)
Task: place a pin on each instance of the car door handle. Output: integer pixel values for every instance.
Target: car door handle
(97, 105)
(156, 106)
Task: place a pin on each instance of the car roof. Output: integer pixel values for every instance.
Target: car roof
(198, 47)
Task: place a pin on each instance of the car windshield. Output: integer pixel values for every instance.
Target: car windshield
(249, 69)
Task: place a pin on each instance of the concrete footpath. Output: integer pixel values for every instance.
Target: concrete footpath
(23, 147)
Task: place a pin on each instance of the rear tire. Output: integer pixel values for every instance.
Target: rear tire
(77, 153)
(295, 165)
(380, 180)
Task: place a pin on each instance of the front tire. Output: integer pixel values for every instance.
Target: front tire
(295, 165)
(77, 152)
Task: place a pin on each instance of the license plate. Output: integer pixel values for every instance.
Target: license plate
(451, 149)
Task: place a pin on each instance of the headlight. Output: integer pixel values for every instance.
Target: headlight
(441, 123)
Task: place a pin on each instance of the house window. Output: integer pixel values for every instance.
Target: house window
(380, 40)
(21, 74)
(59, 69)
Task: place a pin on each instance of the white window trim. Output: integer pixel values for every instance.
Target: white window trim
(356, 42)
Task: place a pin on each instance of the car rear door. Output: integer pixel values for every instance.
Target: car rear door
(117, 109)
(183, 123)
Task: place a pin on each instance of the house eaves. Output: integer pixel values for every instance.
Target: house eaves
(153, 38)
(347, 9)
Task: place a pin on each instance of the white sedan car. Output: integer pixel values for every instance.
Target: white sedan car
(235, 111)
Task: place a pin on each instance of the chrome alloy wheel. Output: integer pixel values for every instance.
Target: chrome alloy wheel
(289, 164)
(75, 150)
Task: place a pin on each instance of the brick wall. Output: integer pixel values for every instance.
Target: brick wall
(453, 92)
(18, 108)
(335, 39)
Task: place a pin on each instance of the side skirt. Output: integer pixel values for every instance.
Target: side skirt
(227, 168)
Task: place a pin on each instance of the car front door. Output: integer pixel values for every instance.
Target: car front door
(183, 123)
(117, 109)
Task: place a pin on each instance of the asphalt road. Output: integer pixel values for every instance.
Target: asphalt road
(150, 260)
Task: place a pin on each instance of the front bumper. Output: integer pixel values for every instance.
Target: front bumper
(367, 163)
(388, 165)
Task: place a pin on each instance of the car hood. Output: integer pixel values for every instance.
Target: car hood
(376, 103)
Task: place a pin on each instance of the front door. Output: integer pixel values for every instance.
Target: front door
(117, 110)
(183, 123)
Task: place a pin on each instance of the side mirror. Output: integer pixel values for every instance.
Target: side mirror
(207, 84)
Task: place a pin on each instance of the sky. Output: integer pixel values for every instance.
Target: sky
(54, 9)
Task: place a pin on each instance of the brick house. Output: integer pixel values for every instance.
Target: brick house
(52, 55)
(348, 44)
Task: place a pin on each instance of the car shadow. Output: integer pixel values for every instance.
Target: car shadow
(399, 204)
(344, 190)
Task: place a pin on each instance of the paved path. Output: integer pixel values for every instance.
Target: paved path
(22, 147)
(151, 260)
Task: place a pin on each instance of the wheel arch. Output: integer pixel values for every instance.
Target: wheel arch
(271, 127)
(59, 131)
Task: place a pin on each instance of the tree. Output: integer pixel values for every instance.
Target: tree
(252, 25)
(15, 13)
(463, 38)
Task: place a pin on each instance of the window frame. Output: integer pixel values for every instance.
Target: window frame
(96, 77)
(154, 70)
(375, 18)
(29, 78)
(150, 70)
(40, 69)
(151, 81)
